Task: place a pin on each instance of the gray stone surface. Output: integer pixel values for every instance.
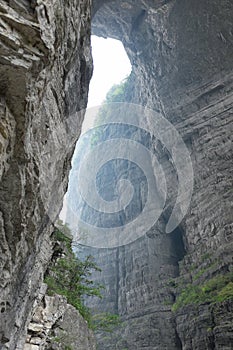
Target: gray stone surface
(181, 55)
(56, 325)
(45, 67)
(211, 326)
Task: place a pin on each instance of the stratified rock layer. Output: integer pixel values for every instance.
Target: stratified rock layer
(45, 67)
(57, 325)
(181, 55)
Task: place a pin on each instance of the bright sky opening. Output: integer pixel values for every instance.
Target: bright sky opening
(111, 66)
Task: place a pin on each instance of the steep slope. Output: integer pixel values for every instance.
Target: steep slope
(181, 56)
(44, 75)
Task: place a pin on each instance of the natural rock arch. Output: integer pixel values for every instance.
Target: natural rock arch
(181, 61)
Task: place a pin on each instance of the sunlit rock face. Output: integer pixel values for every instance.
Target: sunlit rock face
(45, 68)
(181, 56)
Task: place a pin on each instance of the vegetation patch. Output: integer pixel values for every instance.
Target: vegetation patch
(117, 94)
(217, 289)
(204, 269)
(70, 277)
(62, 340)
(105, 322)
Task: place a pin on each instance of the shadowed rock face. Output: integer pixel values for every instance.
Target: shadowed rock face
(45, 67)
(181, 55)
(57, 325)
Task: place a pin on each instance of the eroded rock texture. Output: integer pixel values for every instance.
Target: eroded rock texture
(45, 67)
(181, 54)
(57, 325)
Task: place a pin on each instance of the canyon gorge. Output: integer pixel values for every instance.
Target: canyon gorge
(181, 55)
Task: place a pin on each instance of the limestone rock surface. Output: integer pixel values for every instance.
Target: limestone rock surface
(56, 325)
(45, 68)
(181, 56)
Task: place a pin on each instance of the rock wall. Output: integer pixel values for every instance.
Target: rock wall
(181, 55)
(57, 325)
(45, 68)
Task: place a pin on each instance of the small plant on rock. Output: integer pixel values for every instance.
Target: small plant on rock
(69, 276)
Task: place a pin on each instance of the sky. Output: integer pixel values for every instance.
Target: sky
(111, 66)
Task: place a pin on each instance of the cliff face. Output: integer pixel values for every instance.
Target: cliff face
(45, 67)
(181, 59)
(56, 325)
(181, 54)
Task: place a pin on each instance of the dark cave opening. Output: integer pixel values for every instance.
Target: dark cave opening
(177, 238)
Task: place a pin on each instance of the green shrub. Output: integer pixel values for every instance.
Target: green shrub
(70, 277)
(200, 273)
(217, 289)
(116, 94)
(105, 322)
(203, 270)
(226, 292)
